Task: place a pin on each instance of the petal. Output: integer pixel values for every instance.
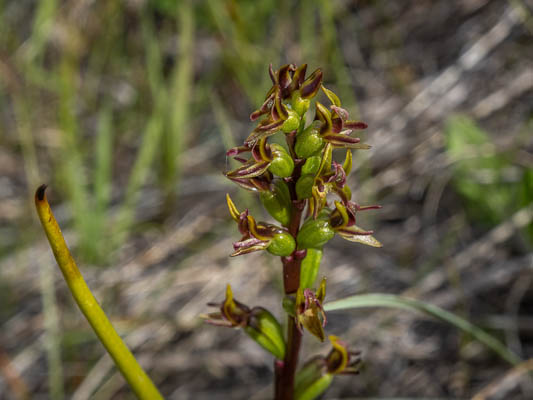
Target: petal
(331, 96)
(265, 108)
(341, 112)
(298, 78)
(249, 170)
(321, 292)
(345, 141)
(323, 115)
(272, 74)
(250, 249)
(252, 184)
(235, 214)
(261, 152)
(281, 109)
(234, 311)
(237, 150)
(347, 165)
(339, 217)
(325, 162)
(284, 75)
(355, 125)
(261, 231)
(311, 321)
(337, 359)
(354, 235)
(311, 85)
(265, 128)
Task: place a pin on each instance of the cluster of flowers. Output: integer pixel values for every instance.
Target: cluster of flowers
(293, 182)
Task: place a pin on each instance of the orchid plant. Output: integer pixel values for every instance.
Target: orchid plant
(295, 183)
(304, 190)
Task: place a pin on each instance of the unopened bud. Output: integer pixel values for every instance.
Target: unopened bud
(311, 165)
(298, 104)
(314, 233)
(309, 141)
(277, 201)
(282, 163)
(282, 244)
(304, 186)
(264, 328)
(291, 123)
(311, 380)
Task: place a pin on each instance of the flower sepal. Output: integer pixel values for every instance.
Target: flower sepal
(257, 322)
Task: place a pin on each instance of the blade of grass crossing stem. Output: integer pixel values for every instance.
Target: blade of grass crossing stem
(393, 301)
(117, 349)
(179, 107)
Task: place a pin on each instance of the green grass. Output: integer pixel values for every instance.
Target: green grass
(63, 91)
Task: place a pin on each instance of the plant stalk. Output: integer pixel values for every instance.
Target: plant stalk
(285, 372)
(117, 349)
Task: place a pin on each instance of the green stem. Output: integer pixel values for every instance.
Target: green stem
(117, 349)
(286, 379)
(285, 373)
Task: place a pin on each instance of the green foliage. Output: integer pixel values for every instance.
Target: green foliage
(486, 177)
(393, 301)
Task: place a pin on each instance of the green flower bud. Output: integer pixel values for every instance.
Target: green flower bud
(311, 165)
(282, 244)
(304, 186)
(291, 123)
(309, 141)
(314, 233)
(311, 381)
(282, 164)
(298, 104)
(310, 267)
(277, 202)
(264, 328)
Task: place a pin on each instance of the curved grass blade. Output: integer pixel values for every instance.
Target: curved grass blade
(393, 301)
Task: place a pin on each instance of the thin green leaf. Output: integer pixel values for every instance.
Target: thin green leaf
(393, 301)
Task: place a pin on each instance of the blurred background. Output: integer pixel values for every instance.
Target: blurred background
(125, 109)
